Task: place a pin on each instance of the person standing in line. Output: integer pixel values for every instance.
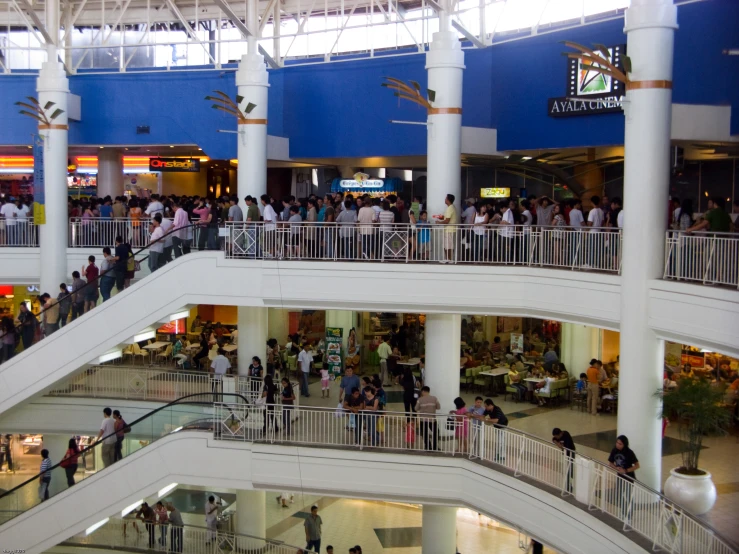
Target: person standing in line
(70, 461)
(175, 528)
(78, 298)
(28, 323)
(149, 517)
(50, 315)
(45, 479)
(8, 335)
(120, 431)
(107, 274)
(451, 219)
(211, 518)
(426, 407)
(166, 224)
(313, 524)
(384, 351)
(64, 299)
(122, 253)
(91, 291)
(180, 227)
(108, 434)
(156, 244)
(593, 376)
(563, 439)
(305, 361)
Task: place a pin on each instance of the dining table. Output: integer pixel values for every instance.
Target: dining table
(494, 374)
(153, 348)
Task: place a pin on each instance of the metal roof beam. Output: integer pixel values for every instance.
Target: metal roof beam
(467, 34)
(241, 26)
(25, 7)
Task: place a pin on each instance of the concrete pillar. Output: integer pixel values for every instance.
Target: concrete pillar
(110, 173)
(439, 530)
(57, 446)
(52, 85)
(650, 27)
(442, 357)
(251, 518)
(278, 324)
(580, 344)
(252, 339)
(445, 65)
(252, 83)
(342, 319)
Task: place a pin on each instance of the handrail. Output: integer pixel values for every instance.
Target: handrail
(128, 425)
(704, 257)
(489, 447)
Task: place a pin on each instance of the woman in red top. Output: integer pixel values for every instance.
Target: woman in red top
(91, 292)
(69, 463)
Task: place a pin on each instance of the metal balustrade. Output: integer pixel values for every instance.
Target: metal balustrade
(157, 385)
(596, 249)
(594, 485)
(18, 233)
(190, 539)
(706, 258)
(101, 232)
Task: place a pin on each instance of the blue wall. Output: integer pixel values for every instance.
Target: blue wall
(340, 109)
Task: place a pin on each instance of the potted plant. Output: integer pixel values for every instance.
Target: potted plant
(699, 407)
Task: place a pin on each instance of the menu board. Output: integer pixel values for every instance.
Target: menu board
(333, 351)
(516, 343)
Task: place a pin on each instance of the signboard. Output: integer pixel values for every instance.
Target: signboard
(368, 184)
(39, 187)
(590, 92)
(496, 192)
(172, 165)
(517, 343)
(333, 351)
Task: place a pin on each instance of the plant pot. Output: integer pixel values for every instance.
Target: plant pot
(695, 493)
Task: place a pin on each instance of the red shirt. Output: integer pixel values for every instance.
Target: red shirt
(91, 273)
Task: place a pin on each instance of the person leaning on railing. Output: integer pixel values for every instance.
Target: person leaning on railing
(715, 219)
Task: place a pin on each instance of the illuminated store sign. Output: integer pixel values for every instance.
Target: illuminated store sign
(495, 193)
(590, 92)
(174, 164)
(368, 184)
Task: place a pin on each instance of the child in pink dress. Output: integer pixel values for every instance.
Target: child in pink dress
(462, 429)
(324, 384)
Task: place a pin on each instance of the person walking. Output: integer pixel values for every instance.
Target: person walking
(305, 360)
(313, 524)
(426, 407)
(120, 432)
(108, 435)
(156, 243)
(625, 462)
(175, 528)
(71, 461)
(211, 518)
(563, 439)
(45, 478)
(64, 299)
(28, 324)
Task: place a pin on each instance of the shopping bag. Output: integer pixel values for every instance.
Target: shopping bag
(339, 410)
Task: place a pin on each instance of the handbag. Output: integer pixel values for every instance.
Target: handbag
(261, 401)
(339, 410)
(450, 423)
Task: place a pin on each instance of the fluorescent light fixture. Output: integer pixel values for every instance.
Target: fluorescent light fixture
(179, 315)
(128, 509)
(136, 170)
(146, 334)
(706, 351)
(178, 429)
(112, 355)
(166, 490)
(381, 172)
(90, 530)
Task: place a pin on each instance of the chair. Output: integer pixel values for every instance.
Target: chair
(478, 380)
(212, 353)
(128, 351)
(137, 351)
(166, 355)
(464, 380)
(292, 364)
(556, 391)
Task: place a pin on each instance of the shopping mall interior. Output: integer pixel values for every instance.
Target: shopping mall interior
(437, 277)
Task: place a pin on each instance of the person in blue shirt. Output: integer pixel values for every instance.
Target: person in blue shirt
(550, 358)
(106, 210)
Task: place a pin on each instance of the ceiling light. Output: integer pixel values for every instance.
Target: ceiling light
(167, 489)
(198, 148)
(128, 509)
(171, 146)
(90, 530)
(113, 355)
(102, 147)
(30, 147)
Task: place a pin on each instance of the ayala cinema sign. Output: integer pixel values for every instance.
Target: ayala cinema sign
(590, 92)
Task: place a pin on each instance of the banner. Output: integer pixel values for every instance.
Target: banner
(516, 343)
(39, 190)
(334, 351)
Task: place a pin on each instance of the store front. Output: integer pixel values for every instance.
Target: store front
(362, 184)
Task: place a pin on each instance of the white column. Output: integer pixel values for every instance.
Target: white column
(650, 27)
(445, 65)
(252, 83)
(110, 173)
(439, 530)
(442, 357)
(57, 447)
(278, 324)
(580, 344)
(342, 319)
(52, 85)
(251, 517)
(252, 339)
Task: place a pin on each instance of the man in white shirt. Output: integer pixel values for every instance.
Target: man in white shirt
(211, 518)
(576, 218)
(469, 213)
(507, 233)
(179, 237)
(107, 430)
(595, 217)
(218, 368)
(156, 246)
(366, 217)
(595, 221)
(269, 240)
(10, 212)
(155, 206)
(304, 362)
(166, 257)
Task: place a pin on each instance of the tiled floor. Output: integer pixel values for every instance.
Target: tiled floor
(595, 436)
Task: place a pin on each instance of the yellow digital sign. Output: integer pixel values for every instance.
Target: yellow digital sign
(495, 193)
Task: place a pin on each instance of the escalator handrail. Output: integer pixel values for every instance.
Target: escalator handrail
(128, 425)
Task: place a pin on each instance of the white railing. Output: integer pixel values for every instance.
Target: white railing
(707, 258)
(101, 232)
(593, 484)
(130, 533)
(158, 385)
(18, 233)
(562, 247)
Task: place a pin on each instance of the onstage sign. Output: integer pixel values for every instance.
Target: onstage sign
(590, 92)
(174, 165)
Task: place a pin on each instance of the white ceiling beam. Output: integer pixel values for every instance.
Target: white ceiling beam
(434, 5)
(188, 29)
(467, 34)
(25, 8)
(241, 26)
(265, 16)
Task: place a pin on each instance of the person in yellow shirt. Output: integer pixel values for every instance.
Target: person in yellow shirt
(593, 374)
(451, 218)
